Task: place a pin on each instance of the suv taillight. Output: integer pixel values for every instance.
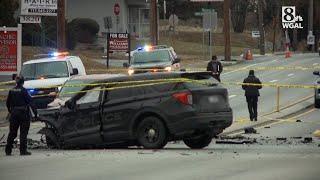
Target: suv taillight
(183, 97)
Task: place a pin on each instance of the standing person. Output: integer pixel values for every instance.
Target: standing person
(18, 104)
(215, 67)
(252, 94)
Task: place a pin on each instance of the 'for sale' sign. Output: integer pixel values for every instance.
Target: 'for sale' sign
(10, 50)
(118, 42)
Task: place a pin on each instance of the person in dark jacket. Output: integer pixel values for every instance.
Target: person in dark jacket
(215, 67)
(252, 94)
(18, 104)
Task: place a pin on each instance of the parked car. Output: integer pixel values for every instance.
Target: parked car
(44, 77)
(137, 110)
(317, 91)
(159, 58)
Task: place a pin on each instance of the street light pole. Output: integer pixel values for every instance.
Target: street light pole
(61, 26)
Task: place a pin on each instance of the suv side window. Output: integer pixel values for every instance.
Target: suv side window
(90, 96)
(124, 93)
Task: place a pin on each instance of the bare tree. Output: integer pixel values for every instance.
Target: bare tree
(238, 14)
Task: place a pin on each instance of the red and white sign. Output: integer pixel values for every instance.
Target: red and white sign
(10, 50)
(118, 42)
(116, 9)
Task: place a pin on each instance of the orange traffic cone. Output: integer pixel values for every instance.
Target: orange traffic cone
(287, 53)
(249, 55)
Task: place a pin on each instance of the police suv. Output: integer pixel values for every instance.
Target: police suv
(44, 77)
(153, 59)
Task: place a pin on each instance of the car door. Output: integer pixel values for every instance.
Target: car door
(88, 117)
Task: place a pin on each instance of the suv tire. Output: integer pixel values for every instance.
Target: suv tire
(152, 133)
(198, 142)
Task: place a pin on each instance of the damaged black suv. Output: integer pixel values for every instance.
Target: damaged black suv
(140, 110)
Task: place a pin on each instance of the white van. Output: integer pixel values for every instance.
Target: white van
(44, 76)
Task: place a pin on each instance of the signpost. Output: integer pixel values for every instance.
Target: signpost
(118, 42)
(39, 7)
(10, 50)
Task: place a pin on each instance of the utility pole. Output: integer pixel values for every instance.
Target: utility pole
(61, 26)
(310, 21)
(261, 29)
(226, 29)
(154, 22)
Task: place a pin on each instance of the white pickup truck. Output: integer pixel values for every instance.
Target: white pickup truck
(43, 77)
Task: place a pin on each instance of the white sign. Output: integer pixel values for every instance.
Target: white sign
(30, 19)
(310, 39)
(289, 18)
(39, 7)
(255, 34)
(173, 20)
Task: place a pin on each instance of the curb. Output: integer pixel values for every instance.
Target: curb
(264, 123)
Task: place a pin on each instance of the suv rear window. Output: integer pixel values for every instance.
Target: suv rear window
(151, 56)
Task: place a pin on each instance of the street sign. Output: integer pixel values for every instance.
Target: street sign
(10, 50)
(173, 20)
(39, 7)
(210, 20)
(30, 19)
(116, 9)
(255, 34)
(310, 38)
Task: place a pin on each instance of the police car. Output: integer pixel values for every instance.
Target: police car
(153, 59)
(44, 77)
(317, 91)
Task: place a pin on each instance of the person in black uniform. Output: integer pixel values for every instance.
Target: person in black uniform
(215, 67)
(252, 94)
(18, 104)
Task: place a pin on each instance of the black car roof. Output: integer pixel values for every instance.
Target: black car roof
(105, 78)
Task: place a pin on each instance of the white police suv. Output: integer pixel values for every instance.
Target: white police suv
(44, 77)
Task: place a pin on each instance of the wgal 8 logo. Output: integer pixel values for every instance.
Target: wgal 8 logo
(290, 19)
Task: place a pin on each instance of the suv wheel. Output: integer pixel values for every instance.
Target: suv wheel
(316, 103)
(152, 133)
(198, 142)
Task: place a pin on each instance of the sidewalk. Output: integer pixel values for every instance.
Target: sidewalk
(240, 125)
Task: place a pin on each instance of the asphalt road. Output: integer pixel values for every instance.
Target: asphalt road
(267, 101)
(268, 159)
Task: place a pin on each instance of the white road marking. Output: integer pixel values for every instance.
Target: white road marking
(273, 81)
(290, 74)
(314, 64)
(240, 69)
(232, 96)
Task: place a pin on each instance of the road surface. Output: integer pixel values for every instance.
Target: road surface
(268, 159)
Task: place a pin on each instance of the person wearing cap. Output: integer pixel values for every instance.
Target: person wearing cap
(252, 93)
(18, 104)
(215, 67)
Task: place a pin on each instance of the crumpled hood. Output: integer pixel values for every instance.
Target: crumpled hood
(151, 65)
(43, 83)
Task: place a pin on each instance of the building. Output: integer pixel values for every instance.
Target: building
(133, 15)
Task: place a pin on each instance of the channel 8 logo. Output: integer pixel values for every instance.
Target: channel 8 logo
(288, 14)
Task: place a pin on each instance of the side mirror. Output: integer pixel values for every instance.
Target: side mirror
(75, 71)
(125, 65)
(70, 104)
(14, 76)
(177, 60)
(316, 73)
